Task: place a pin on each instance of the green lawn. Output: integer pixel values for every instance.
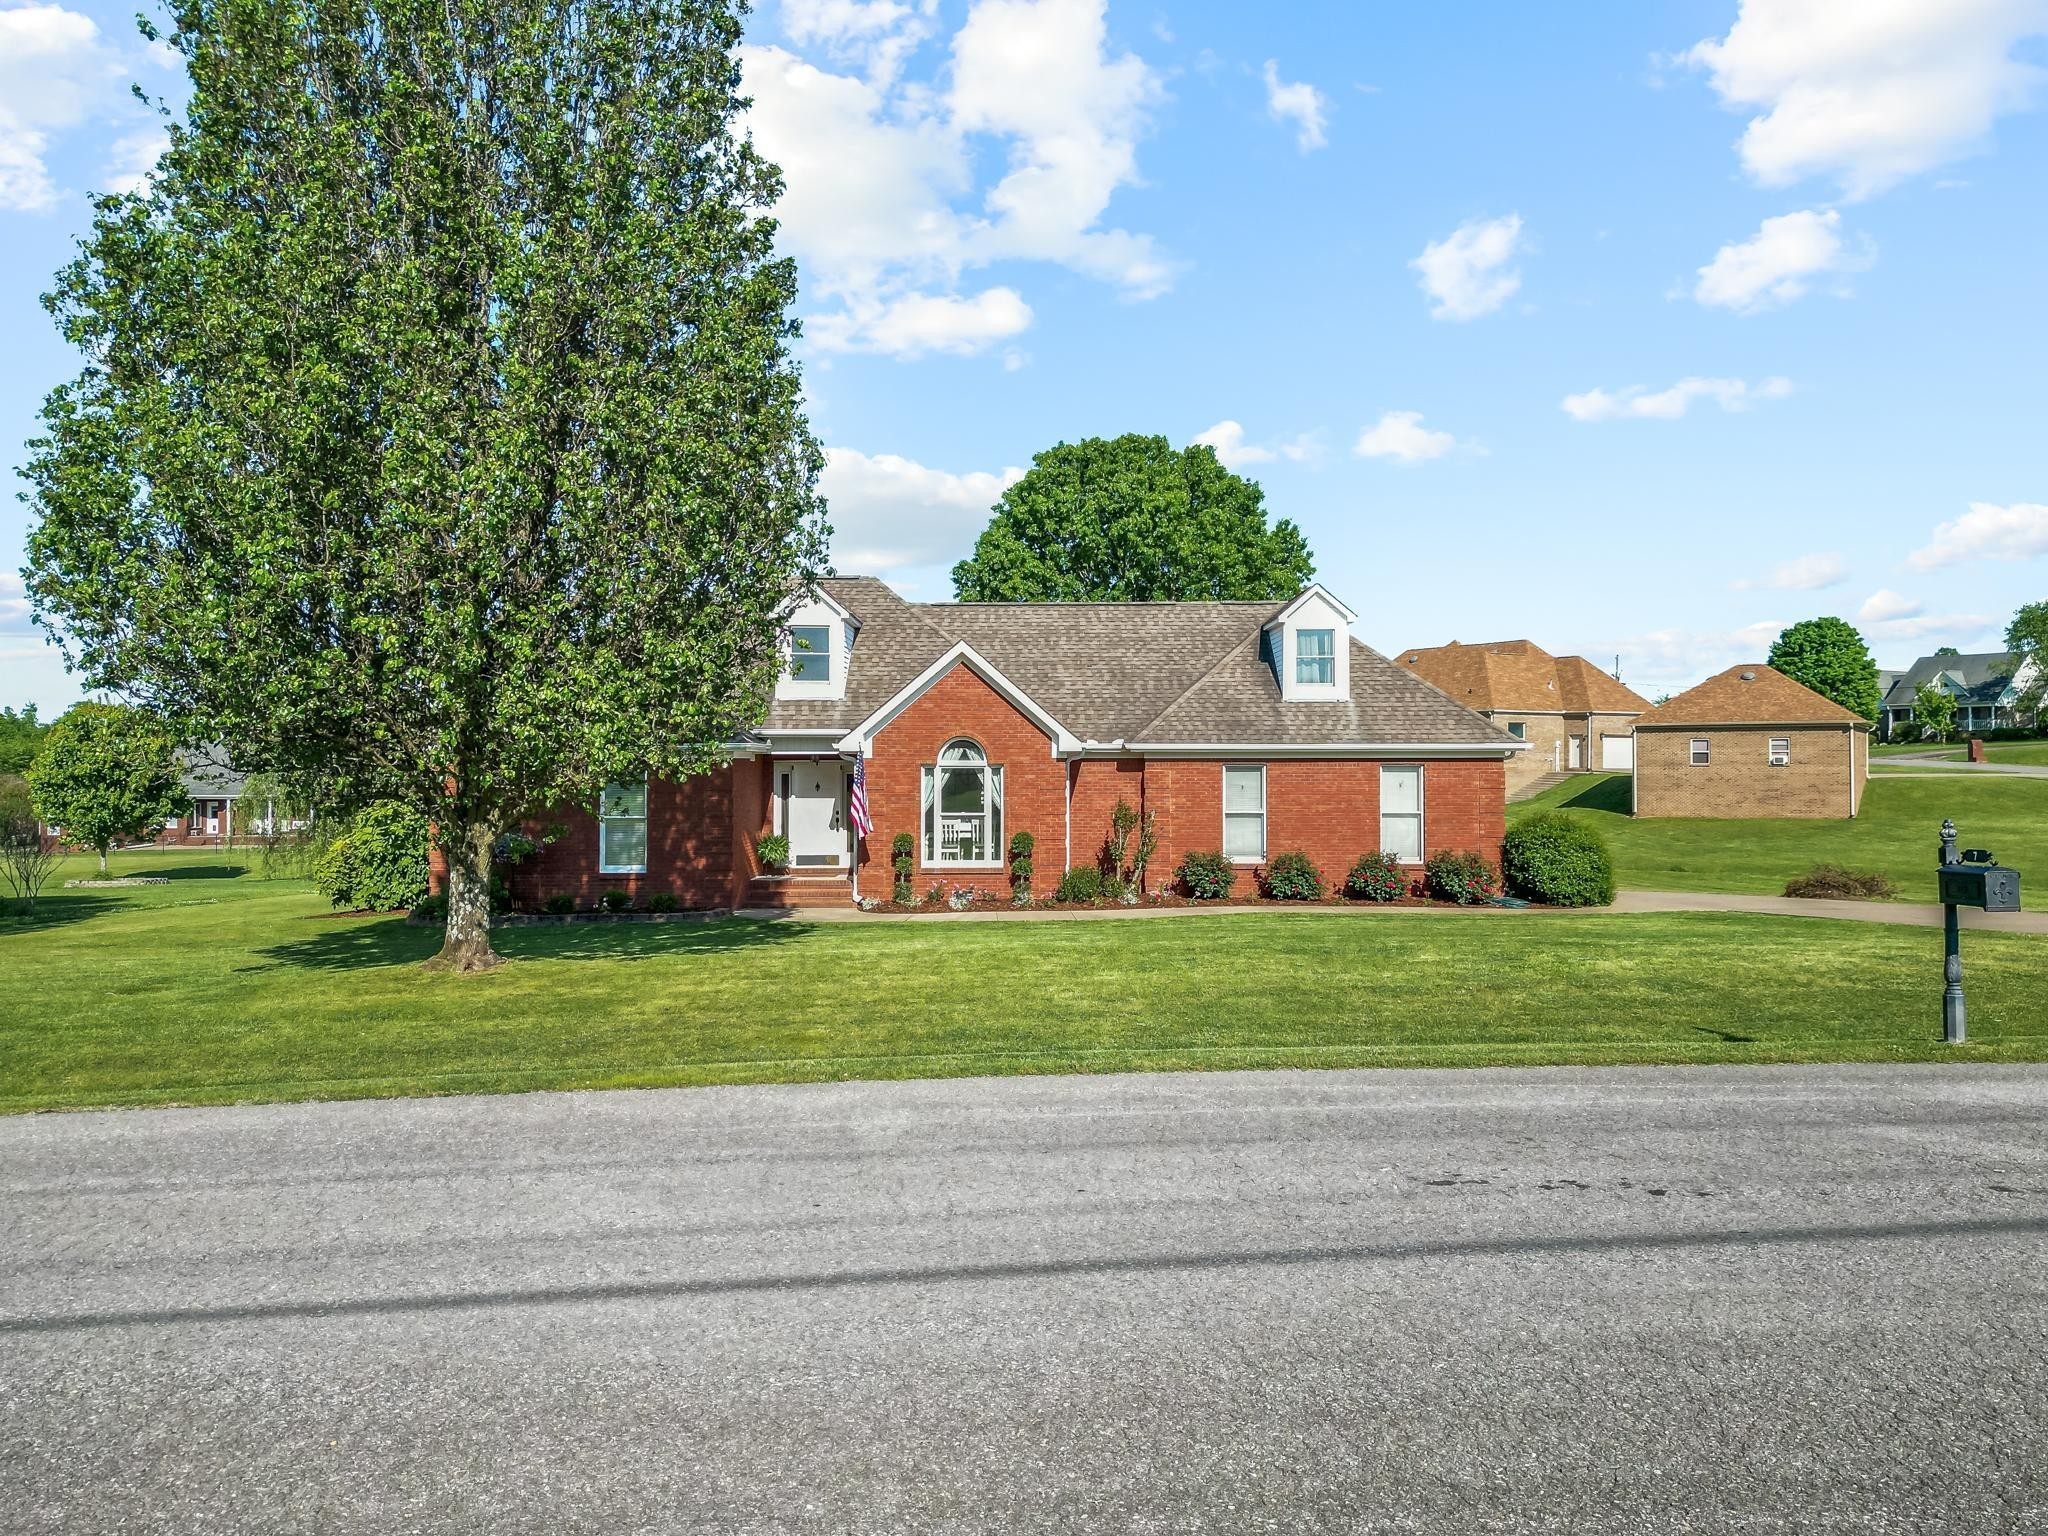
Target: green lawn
(1879, 750)
(2032, 753)
(225, 988)
(1898, 834)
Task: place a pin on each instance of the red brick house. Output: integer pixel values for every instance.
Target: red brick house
(1254, 728)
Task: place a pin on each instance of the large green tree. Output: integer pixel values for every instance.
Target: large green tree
(2025, 636)
(106, 773)
(1132, 519)
(1829, 656)
(438, 438)
(20, 734)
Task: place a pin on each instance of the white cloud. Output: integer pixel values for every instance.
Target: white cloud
(1636, 402)
(51, 67)
(1808, 573)
(1401, 436)
(1671, 660)
(920, 323)
(1300, 103)
(892, 514)
(133, 156)
(1227, 438)
(1873, 91)
(882, 199)
(1467, 273)
(14, 617)
(1986, 532)
(1304, 447)
(1952, 628)
(876, 35)
(1780, 261)
(1885, 606)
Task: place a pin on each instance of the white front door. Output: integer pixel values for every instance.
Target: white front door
(1572, 751)
(816, 818)
(1617, 753)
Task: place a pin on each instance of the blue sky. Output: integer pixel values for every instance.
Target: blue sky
(1632, 329)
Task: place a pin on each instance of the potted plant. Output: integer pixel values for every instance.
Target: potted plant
(774, 852)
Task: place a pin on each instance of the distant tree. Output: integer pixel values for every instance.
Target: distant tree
(1934, 712)
(2027, 637)
(107, 773)
(1132, 519)
(1829, 656)
(438, 439)
(20, 734)
(1947, 650)
(26, 856)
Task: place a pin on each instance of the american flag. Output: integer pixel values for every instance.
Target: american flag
(857, 798)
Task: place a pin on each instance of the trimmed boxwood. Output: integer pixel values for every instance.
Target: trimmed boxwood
(1558, 860)
(1466, 878)
(1293, 877)
(1376, 877)
(1081, 883)
(1206, 876)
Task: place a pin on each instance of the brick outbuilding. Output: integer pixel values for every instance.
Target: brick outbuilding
(1751, 742)
(1249, 728)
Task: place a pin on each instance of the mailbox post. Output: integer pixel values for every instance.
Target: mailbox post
(1972, 878)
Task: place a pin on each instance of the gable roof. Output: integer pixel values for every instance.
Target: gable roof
(1749, 694)
(1983, 677)
(1161, 673)
(1521, 675)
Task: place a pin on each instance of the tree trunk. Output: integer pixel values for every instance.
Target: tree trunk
(467, 946)
(103, 861)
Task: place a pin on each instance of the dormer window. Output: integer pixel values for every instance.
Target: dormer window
(810, 653)
(1315, 657)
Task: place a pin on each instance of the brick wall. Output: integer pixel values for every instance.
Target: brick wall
(1099, 782)
(960, 703)
(1739, 782)
(692, 846)
(1328, 808)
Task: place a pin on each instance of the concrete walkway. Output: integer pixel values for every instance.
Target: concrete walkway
(1902, 914)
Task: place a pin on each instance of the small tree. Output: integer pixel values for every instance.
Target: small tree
(26, 856)
(1829, 656)
(106, 773)
(1934, 712)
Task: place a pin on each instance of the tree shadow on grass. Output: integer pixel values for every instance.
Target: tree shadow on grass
(1608, 794)
(394, 942)
(54, 909)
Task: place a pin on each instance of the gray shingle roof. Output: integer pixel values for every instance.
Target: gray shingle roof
(1153, 672)
(206, 774)
(1984, 676)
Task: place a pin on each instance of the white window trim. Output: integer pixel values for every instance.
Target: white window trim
(1265, 841)
(604, 863)
(1420, 813)
(822, 653)
(1776, 757)
(928, 859)
(1699, 752)
(1329, 660)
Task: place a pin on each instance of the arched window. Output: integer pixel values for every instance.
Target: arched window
(963, 807)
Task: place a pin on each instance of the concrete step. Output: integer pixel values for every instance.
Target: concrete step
(807, 888)
(1535, 787)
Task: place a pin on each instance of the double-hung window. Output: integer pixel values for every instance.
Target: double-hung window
(622, 829)
(810, 653)
(1244, 812)
(1702, 752)
(1315, 656)
(1401, 811)
(963, 808)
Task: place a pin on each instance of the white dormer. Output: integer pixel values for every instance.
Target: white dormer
(817, 650)
(1308, 645)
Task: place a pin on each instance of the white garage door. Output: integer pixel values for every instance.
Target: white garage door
(1617, 753)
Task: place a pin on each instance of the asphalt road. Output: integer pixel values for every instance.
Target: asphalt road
(1778, 1299)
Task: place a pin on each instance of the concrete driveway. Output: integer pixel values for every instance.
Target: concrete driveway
(1644, 1300)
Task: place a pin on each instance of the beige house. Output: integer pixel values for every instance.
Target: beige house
(1573, 715)
(1750, 743)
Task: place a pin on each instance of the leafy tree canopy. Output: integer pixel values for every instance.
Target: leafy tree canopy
(437, 438)
(107, 773)
(1934, 712)
(1132, 519)
(2028, 631)
(1829, 656)
(1947, 650)
(20, 735)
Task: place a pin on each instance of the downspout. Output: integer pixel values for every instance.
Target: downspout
(1067, 853)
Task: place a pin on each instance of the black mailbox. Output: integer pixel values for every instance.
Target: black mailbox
(1988, 887)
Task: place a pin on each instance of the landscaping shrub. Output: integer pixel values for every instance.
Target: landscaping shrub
(431, 909)
(1206, 876)
(1292, 877)
(615, 901)
(774, 851)
(1833, 882)
(1465, 878)
(1083, 883)
(561, 904)
(1022, 845)
(663, 901)
(1559, 860)
(1376, 877)
(900, 849)
(379, 864)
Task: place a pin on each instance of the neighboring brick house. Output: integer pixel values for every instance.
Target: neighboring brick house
(217, 816)
(1573, 715)
(1751, 742)
(1987, 687)
(1252, 728)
